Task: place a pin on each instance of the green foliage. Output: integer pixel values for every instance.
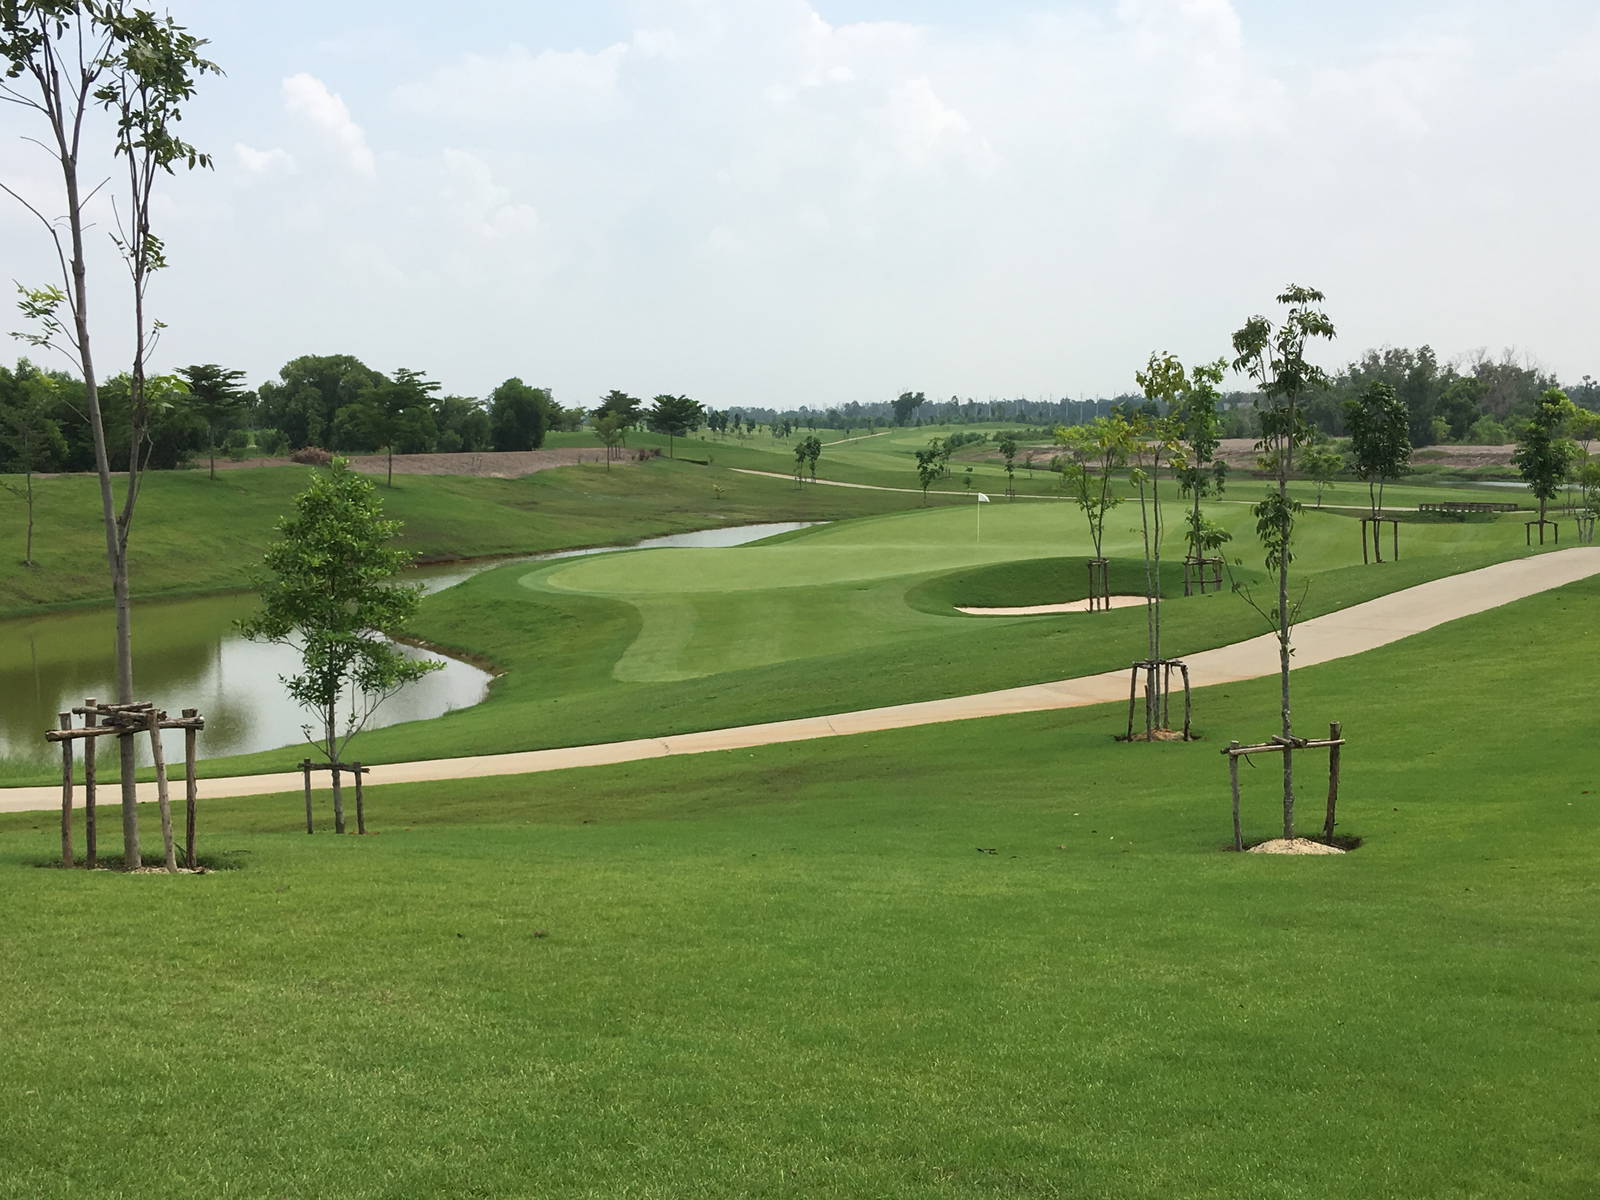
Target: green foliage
(1380, 439)
(1320, 462)
(933, 460)
(1091, 454)
(674, 416)
(517, 416)
(905, 404)
(328, 592)
(1545, 457)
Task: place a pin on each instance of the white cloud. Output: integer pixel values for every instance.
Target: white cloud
(276, 161)
(308, 97)
(482, 206)
(517, 85)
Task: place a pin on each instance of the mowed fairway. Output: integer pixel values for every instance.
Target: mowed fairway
(841, 617)
(1003, 958)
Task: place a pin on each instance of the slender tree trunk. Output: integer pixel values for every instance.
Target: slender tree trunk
(1285, 454)
(27, 554)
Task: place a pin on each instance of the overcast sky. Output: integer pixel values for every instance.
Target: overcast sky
(787, 202)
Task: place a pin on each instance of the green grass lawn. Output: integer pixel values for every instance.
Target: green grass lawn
(195, 535)
(791, 972)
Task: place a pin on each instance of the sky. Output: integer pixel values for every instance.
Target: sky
(787, 202)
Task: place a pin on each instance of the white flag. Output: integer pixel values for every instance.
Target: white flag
(982, 499)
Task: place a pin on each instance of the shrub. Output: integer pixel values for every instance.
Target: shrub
(271, 441)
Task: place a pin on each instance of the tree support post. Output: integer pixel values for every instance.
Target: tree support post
(1376, 537)
(66, 793)
(361, 808)
(305, 769)
(1335, 744)
(1201, 572)
(163, 799)
(1527, 531)
(190, 788)
(1233, 776)
(1099, 584)
(338, 801)
(91, 718)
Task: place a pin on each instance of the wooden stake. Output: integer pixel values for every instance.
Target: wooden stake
(163, 800)
(90, 719)
(190, 791)
(338, 802)
(1333, 776)
(66, 794)
(361, 809)
(305, 767)
(1233, 776)
(1188, 702)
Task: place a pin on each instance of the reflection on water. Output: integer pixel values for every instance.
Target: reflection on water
(187, 654)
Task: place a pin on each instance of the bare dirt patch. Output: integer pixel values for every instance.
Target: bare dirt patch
(1293, 846)
(503, 464)
(1028, 610)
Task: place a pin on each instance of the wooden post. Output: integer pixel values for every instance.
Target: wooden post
(1133, 690)
(1364, 558)
(91, 853)
(66, 793)
(1233, 777)
(361, 809)
(190, 791)
(1188, 703)
(1394, 529)
(163, 800)
(1333, 777)
(338, 802)
(305, 768)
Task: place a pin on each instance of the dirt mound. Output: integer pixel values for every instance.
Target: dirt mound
(1293, 846)
(507, 464)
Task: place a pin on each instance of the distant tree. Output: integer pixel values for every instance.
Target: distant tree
(675, 416)
(394, 408)
(932, 462)
(517, 416)
(608, 428)
(1320, 462)
(800, 463)
(215, 396)
(1275, 357)
(1380, 440)
(1544, 456)
(1155, 438)
(30, 437)
(327, 592)
(813, 448)
(905, 404)
(1008, 451)
(1199, 471)
(1486, 431)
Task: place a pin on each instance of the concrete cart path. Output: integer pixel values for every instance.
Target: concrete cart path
(1351, 631)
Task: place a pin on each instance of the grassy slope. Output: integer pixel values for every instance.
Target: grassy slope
(833, 619)
(195, 535)
(787, 972)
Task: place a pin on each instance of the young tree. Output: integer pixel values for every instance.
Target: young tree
(1155, 438)
(30, 437)
(59, 60)
(813, 448)
(1380, 443)
(905, 404)
(1198, 469)
(1544, 455)
(932, 462)
(328, 593)
(1320, 463)
(1094, 453)
(674, 416)
(1008, 451)
(627, 409)
(800, 463)
(1275, 357)
(396, 406)
(608, 428)
(215, 396)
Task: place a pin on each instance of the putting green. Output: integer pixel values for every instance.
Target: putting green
(847, 587)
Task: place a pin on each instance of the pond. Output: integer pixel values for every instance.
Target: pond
(187, 654)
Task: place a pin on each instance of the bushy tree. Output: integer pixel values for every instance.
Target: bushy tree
(1199, 471)
(1545, 456)
(1093, 453)
(328, 592)
(1380, 439)
(675, 416)
(517, 415)
(30, 437)
(216, 396)
(932, 462)
(1321, 462)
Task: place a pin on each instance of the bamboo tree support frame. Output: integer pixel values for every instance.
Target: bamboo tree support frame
(1099, 584)
(1200, 573)
(1527, 531)
(1585, 530)
(1376, 530)
(337, 769)
(1148, 669)
(1281, 745)
(124, 720)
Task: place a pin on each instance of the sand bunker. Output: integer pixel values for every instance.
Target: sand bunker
(1029, 610)
(1293, 846)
